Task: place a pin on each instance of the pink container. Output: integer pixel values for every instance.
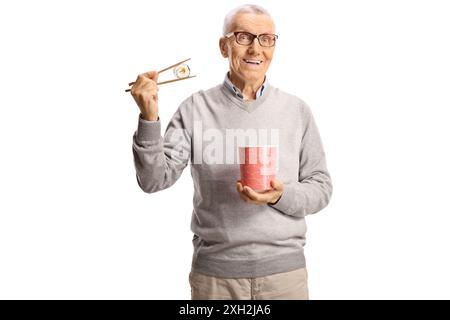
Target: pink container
(259, 165)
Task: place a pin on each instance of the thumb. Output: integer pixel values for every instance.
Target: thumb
(152, 75)
(277, 184)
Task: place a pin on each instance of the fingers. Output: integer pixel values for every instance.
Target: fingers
(143, 80)
(248, 200)
(266, 197)
(146, 81)
(144, 91)
(253, 195)
(149, 86)
(277, 184)
(243, 195)
(153, 75)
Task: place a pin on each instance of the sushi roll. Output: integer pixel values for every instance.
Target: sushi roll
(182, 71)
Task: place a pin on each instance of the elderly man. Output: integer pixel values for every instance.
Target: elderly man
(247, 244)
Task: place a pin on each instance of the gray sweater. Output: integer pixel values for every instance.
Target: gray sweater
(232, 238)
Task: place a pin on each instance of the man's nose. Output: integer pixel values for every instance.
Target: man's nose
(254, 46)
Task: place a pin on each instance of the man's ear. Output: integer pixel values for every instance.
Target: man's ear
(223, 45)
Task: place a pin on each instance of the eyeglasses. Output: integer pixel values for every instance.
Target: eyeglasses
(247, 38)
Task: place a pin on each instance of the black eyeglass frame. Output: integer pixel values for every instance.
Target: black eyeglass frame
(235, 33)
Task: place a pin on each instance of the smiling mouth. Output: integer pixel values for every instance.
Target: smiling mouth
(253, 61)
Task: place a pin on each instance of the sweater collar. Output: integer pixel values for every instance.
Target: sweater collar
(247, 105)
(228, 84)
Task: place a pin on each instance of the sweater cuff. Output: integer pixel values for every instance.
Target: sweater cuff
(285, 203)
(148, 130)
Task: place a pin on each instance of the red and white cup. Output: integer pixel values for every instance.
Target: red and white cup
(258, 166)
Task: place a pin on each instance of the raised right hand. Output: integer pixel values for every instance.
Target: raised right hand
(145, 93)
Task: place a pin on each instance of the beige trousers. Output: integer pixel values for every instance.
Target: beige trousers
(291, 285)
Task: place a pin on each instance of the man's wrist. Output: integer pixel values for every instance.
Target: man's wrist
(149, 118)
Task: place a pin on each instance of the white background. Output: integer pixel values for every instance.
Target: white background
(74, 223)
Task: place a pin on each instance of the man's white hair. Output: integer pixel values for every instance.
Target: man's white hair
(246, 8)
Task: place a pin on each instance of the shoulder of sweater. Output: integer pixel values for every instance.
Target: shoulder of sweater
(192, 101)
(203, 93)
(302, 105)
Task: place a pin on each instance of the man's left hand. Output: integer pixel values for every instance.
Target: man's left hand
(267, 197)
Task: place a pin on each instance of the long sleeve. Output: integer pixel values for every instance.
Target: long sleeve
(312, 192)
(160, 161)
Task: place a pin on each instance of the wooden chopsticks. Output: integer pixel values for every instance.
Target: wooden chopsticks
(168, 81)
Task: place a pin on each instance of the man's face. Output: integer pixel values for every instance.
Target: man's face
(240, 55)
